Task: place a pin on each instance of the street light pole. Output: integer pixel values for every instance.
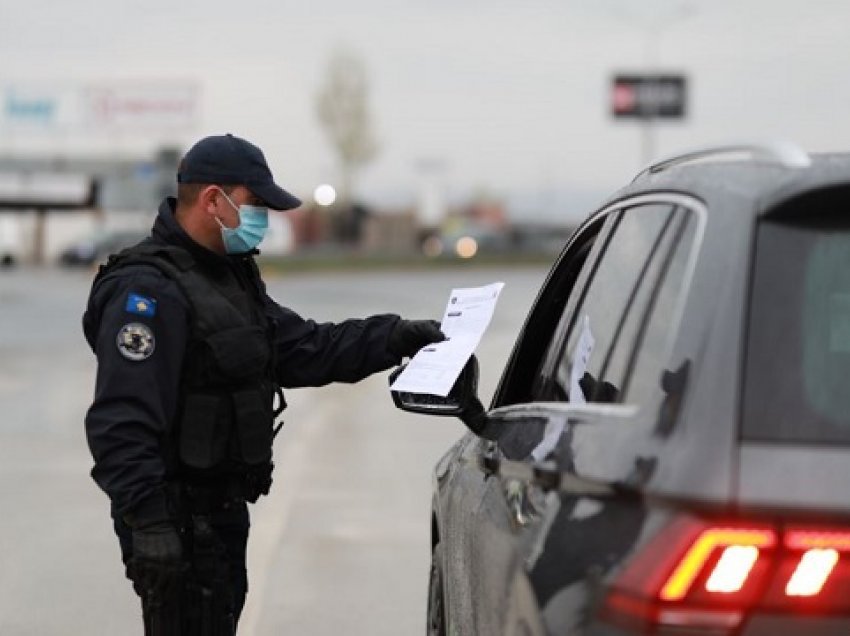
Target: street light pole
(651, 66)
(653, 29)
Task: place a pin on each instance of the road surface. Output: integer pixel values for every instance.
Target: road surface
(340, 545)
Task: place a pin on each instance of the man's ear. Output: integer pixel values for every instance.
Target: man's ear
(208, 199)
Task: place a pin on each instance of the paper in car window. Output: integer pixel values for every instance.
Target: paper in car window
(581, 357)
(435, 368)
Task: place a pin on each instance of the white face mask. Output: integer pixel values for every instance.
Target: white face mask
(245, 237)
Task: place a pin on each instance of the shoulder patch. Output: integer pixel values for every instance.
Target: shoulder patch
(140, 305)
(135, 341)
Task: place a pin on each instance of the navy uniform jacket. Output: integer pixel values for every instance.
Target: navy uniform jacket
(136, 399)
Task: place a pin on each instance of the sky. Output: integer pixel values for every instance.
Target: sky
(508, 99)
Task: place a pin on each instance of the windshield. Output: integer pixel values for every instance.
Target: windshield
(797, 384)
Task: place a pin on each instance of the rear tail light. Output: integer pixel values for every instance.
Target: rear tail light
(698, 577)
(731, 553)
(811, 572)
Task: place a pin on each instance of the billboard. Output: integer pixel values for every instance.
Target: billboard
(648, 96)
(144, 107)
(34, 108)
(156, 107)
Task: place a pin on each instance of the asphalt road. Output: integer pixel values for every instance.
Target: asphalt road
(341, 544)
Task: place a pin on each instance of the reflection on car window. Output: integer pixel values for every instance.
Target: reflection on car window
(544, 388)
(613, 290)
(648, 361)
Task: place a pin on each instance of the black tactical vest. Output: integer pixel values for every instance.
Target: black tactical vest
(223, 431)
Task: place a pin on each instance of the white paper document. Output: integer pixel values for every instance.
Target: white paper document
(435, 367)
(581, 357)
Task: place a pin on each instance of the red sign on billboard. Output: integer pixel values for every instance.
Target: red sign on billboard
(143, 107)
(648, 96)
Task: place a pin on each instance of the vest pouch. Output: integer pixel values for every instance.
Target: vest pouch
(252, 409)
(204, 430)
(239, 352)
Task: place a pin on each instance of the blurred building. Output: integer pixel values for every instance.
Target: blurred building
(134, 122)
(124, 183)
(38, 222)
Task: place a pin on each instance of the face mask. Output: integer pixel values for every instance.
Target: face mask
(253, 223)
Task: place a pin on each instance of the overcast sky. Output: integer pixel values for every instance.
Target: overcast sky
(509, 96)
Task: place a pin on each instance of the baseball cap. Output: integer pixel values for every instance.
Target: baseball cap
(230, 160)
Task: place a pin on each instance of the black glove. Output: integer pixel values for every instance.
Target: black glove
(594, 391)
(409, 336)
(157, 561)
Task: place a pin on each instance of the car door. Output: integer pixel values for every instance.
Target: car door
(542, 545)
(461, 482)
(489, 552)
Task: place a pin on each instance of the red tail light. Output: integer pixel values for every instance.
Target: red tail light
(813, 575)
(728, 574)
(696, 577)
(811, 572)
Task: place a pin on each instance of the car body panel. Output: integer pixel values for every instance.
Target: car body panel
(782, 477)
(459, 491)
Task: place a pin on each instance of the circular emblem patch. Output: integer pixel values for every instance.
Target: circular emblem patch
(135, 341)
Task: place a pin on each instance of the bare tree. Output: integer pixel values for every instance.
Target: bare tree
(342, 105)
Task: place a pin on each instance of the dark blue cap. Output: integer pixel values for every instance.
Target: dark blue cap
(230, 160)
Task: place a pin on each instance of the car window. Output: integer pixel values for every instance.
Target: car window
(586, 369)
(652, 332)
(798, 351)
(544, 388)
(519, 382)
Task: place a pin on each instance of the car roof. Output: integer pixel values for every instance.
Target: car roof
(752, 185)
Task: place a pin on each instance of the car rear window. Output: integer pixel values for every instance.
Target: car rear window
(797, 373)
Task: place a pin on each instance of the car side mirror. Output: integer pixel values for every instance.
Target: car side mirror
(462, 400)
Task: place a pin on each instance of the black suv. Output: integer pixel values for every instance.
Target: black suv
(668, 450)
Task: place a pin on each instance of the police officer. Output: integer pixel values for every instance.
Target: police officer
(192, 354)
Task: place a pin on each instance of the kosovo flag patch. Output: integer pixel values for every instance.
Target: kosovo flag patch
(140, 305)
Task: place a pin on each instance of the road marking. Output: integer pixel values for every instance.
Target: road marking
(270, 518)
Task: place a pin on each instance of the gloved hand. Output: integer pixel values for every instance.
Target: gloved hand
(594, 391)
(409, 336)
(157, 560)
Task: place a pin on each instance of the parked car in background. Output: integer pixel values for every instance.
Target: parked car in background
(96, 247)
(668, 450)
(469, 240)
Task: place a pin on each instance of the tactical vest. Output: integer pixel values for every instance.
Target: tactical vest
(223, 431)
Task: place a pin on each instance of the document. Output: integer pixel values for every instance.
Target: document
(581, 357)
(435, 368)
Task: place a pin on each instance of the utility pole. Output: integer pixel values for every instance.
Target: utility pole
(653, 27)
